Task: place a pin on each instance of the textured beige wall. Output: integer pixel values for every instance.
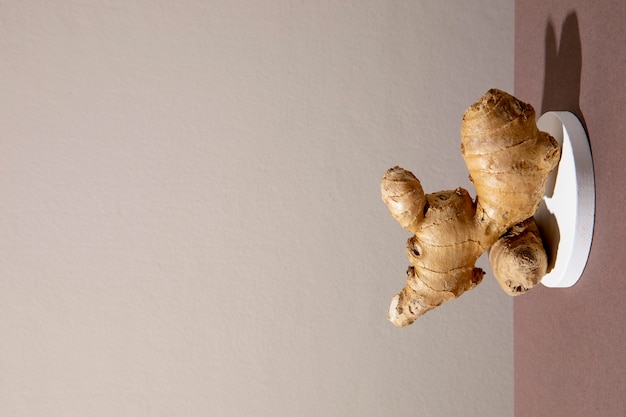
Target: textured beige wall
(190, 220)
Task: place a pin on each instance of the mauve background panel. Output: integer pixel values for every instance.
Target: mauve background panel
(570, 344)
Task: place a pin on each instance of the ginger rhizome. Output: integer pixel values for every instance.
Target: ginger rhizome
(509, 161)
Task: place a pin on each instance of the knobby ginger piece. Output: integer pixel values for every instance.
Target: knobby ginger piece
(518, 258)
(509, 161)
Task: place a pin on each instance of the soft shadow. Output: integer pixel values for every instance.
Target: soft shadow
(561, 92)
(550, 234)
(563, 67)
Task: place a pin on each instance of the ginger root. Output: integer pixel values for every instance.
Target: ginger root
(518, 258)
(509, 161)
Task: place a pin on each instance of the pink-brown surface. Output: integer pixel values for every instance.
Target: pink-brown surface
(570, 344)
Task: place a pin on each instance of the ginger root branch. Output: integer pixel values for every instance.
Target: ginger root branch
(509, 161)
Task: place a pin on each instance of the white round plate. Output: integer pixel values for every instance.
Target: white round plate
(565, 217)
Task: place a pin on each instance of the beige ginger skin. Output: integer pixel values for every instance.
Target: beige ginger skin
(509, 161)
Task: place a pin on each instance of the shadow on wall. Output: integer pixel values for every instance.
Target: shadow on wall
(561, 92)
(563, 66)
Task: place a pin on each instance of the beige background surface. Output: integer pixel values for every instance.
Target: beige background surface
(190, 220)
